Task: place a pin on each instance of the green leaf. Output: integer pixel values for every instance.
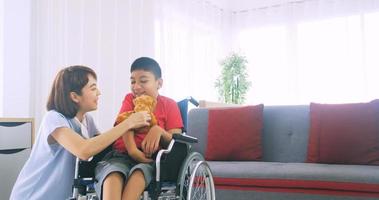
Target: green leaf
(233, 84)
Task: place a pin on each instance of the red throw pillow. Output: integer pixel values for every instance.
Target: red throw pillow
(344, 133)
(235, 133)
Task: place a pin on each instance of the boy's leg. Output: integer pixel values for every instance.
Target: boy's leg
(112, 186)
(134, 186)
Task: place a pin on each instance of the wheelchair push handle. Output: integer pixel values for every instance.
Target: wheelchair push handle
(193, 101)
(184, 138)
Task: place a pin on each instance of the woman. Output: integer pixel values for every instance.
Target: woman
(67, 132)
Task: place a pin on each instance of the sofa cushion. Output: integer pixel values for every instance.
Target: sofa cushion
(344, 133)
(285, 133)
(291, 177)
(235, 133)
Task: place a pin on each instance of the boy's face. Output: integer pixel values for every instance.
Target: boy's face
(144, 82)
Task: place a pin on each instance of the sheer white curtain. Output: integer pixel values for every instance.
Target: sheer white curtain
(191, 38)
(311, 50)
(186, 38)
(105, 35)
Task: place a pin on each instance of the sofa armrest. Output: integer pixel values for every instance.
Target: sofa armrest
(198, 128)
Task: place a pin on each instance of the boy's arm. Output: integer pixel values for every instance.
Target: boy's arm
(155, 136)
(132, 149)
(167, 135)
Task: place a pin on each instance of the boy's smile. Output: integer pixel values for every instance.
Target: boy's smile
(144, 82)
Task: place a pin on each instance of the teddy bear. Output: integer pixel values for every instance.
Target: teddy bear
(141, 103)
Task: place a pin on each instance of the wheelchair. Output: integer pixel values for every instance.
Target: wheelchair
(180, 173)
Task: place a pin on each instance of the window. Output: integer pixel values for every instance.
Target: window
(330, 60)
(189, 52)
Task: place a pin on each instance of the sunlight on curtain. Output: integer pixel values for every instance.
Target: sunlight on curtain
(330, 60)
(268, 65)
(371, 59)
(189, 44)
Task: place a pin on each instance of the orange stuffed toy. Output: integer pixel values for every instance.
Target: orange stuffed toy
(141, 103)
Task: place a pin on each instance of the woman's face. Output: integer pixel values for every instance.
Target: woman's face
(144, 82)
(87, 101)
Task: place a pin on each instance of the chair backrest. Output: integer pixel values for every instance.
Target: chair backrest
(183, 107)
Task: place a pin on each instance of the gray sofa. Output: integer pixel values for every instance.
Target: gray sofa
(283, 172)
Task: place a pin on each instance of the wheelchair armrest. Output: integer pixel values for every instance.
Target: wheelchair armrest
(86, 168)
(184, 138)
(176, 137)
(158, 159)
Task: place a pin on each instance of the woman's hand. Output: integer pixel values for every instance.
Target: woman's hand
(139, 156)
(138, 120)
(150, 143)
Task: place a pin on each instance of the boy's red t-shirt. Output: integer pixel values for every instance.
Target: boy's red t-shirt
(166, 112)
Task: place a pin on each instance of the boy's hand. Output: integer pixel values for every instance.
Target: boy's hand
(139, 156)
(151, 142)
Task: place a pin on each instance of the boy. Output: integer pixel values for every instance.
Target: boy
(128, 169)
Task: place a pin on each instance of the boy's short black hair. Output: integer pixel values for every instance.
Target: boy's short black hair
(147, 64)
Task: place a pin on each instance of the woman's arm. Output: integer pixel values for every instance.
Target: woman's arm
(86, 148)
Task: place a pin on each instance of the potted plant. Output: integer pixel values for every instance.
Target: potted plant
(233, 83)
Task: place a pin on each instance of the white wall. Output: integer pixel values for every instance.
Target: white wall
(16, 58)
(1, 56)
(243, 5)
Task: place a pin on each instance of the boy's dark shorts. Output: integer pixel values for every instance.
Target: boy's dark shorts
(119, 162)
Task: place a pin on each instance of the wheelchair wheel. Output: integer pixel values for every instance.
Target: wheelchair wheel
(185, 173)
(192, 167)
(201, 185)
